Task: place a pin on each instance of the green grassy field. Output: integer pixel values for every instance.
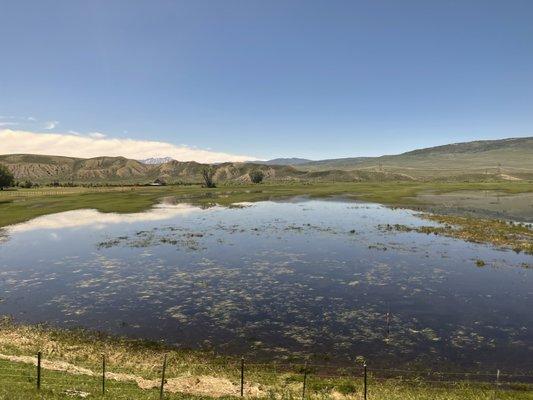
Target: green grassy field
(24, 204)
(196, 375)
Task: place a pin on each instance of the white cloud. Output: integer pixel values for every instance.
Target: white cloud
(4, 123)
(97, 135)
(71, 145)
(51, 125)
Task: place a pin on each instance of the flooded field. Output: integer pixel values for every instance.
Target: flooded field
(482, 203)
(275, 280)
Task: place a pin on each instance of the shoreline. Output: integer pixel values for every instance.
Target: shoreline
(471, 224)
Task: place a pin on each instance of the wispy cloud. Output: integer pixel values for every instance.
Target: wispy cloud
(51, 125)
(11, 120)
(84, 146)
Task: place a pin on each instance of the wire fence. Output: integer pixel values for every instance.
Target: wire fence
(73, 380)
(25, 193)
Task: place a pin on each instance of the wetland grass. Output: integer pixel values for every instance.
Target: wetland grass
(518, 237)
(25, 204)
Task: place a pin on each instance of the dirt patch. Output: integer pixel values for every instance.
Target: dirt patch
(51, 365)
(212, 386)
(190, 384)
(334, 395)
(509, 177)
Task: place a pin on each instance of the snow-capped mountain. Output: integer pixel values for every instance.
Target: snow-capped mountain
(156, 160)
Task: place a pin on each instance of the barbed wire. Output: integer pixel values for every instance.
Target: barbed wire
(69, 380)
(359, 367)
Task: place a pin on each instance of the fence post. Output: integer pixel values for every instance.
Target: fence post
(103, 374)
(497, 383)
(163, 377)
(388, 321)
(305, 381)
(242, 376)
(39, 370)
(364, 381)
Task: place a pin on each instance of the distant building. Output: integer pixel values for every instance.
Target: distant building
(158, 182)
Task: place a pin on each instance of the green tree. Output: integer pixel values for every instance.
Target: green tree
(6, 177)
(207, 174)
(27, 184)
(256, 176)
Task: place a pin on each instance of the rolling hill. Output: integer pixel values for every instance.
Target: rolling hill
(506, 157)
(47, 169)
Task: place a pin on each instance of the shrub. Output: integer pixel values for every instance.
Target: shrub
(6, 177)
(207, 174)
(256, 176)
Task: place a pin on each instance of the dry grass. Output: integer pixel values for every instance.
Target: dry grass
(72, 361)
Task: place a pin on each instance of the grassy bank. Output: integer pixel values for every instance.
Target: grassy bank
(72, 367)
(24, 204)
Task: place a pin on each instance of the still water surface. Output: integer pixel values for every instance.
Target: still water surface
(274, 280)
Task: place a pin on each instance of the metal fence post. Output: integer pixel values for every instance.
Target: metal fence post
(242, 376)
(364, 381)
(305, 381)
(103, 374)
(497, 383)
(39, 370)
(163, 377)
(388, 321)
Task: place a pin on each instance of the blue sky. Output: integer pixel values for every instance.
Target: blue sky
(314, 79)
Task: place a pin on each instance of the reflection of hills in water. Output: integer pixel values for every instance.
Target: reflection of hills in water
(274, 280)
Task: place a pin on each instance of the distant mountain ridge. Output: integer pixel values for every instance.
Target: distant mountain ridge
(510, 159)
(285, 161)
(476, 146)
